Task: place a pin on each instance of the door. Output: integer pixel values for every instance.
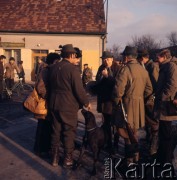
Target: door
(36, 55)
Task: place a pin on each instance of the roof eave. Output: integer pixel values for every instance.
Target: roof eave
(41, 32)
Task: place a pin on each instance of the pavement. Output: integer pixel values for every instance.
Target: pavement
(18, 162)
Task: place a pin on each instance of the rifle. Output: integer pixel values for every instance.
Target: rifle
(131, 135)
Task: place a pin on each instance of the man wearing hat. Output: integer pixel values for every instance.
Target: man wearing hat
(66, 96)
(9, 72)
(2, 59)
(132, 83)
(151, 123)
(86, 75)
(21, 69)
(105, 79)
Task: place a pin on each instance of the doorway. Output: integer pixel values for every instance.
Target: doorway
(36, 55)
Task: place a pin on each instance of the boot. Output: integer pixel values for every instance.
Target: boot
(154, 145)
(130, 151)
(136, 157)
(68, 161)
(55, 156)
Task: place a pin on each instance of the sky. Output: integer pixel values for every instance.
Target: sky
(130, 18)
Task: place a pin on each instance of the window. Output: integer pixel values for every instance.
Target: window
(16, 53)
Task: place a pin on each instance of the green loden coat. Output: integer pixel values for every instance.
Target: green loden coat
(133, 85)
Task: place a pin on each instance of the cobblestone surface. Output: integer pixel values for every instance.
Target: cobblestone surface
(17, 160)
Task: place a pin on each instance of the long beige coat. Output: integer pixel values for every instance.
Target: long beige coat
(132, 85)
(9, 70)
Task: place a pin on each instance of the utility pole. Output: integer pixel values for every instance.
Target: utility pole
(104, 37)
(107, 16)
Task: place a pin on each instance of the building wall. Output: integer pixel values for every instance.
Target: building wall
(91, 46)
(27, 62)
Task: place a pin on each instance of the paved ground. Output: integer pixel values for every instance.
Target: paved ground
(18, 162)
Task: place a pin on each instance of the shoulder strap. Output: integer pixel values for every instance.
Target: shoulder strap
(130, 73)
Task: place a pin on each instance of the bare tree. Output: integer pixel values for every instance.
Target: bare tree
(115, 49)
(172, 38)
(145, 42)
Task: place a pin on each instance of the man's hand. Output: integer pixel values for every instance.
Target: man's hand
(105, 73)
(88, 107)
(117, 100)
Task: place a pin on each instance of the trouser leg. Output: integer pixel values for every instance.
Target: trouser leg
(37, 144)
(165, 142)
(55, 137)
(1, 90)
(107, 129)
(131, 150)
(69, 133)
(153, 133)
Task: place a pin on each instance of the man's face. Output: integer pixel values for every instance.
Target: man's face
(108, 62)
(85, 66)
(160, 59)
(12, 61)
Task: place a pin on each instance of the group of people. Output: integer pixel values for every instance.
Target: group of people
(142, 86)
(145, 89)
(7, 72)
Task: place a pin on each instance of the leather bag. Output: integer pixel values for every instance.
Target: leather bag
(35, 104)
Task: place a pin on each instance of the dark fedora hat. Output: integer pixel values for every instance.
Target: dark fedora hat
(106, 54)
(20, 62)
(78, 52)
(130, 51)
(68, 48)
(143, 52)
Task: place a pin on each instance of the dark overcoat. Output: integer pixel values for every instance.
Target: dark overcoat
(105, 86)
(166, 89)
(1, 77)
(66, 93)
(132, 85)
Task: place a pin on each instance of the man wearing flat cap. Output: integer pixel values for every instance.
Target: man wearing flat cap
(105, 79)
(152, 125)
(86, 75)
(132, 83)
(66, 96)
(9, 72)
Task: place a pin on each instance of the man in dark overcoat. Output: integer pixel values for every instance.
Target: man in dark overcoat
(66, 96)
(165, 95)
(105, 79)
(2, 58)
(151, 124)
(132, 84)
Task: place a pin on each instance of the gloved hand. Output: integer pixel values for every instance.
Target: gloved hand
(116, 101)
(88, 107)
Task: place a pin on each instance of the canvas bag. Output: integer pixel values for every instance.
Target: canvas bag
(35, 104)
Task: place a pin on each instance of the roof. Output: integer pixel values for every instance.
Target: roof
(52, 16)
